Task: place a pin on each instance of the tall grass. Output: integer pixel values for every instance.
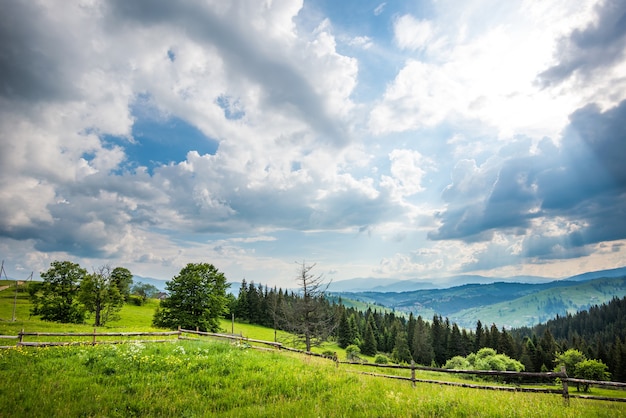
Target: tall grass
(190, 378)
(194, 378)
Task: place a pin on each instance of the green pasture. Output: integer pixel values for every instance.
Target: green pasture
(212, 378)
(208, 378)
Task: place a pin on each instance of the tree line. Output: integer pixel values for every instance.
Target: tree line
(598, 334)
(68, 293)
(198, 298)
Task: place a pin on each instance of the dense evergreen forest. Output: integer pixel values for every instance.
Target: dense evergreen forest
(599, 333)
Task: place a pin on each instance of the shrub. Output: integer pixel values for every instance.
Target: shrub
(329, 354)
(352, 352)
(458, 363)
(381, 359)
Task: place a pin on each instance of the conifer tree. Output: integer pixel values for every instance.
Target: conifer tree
(344, 334)
(401, 352)
(369, 346)
(242, 302)
(422, 343)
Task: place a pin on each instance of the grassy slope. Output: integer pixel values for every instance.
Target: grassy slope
(132, 318)
(217, 379)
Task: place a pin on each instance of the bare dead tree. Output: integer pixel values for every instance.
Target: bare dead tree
(308, 315)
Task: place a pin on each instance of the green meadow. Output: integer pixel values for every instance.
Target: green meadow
(216, 378)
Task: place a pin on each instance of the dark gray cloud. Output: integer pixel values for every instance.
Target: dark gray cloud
(582, 184)
(32, 54)
(285, 88)
(600, 44)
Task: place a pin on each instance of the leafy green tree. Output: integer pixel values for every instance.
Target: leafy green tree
(197, 298)
(101, 296)
(570, 360)
(123, 280)
(591, 370)
(57, 297)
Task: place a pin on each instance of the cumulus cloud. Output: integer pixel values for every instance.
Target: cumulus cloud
(155, 133)
(560, 200)
(597, 46)
(63, 94)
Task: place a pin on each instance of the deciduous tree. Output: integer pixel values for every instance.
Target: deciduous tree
(197, 299)
(57, 297)
(123, 280)
(100, 295)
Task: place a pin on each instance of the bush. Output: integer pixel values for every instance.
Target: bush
(381, 359)
(352, 352)
(484, 359)
(458, 363)
(136, 300)
(329, 354)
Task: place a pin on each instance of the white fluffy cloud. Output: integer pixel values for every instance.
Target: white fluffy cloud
(303, 160)
(486, 72)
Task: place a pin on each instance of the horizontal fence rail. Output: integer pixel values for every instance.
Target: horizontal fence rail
(184, 334)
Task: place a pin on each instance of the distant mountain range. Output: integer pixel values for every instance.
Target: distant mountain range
(511, 302)
(508, 303)
(159, 284)
(407, 285)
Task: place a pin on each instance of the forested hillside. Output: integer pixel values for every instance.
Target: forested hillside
(598, 332)
(507, 305)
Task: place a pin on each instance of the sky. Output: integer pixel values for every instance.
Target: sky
(398, 139)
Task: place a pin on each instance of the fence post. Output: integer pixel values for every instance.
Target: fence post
(565, 386)
(413, 373)
(94, 337)
(21, 335)
(179, 332)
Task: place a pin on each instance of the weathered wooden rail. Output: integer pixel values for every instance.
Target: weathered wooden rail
(508, 375)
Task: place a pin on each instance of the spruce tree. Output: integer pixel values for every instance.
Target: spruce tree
(422, 344)
(242, 311)
(401, 352)
(369, 346)
(344, 334)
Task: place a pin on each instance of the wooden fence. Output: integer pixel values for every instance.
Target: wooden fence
(184, 334)
(506, 375)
